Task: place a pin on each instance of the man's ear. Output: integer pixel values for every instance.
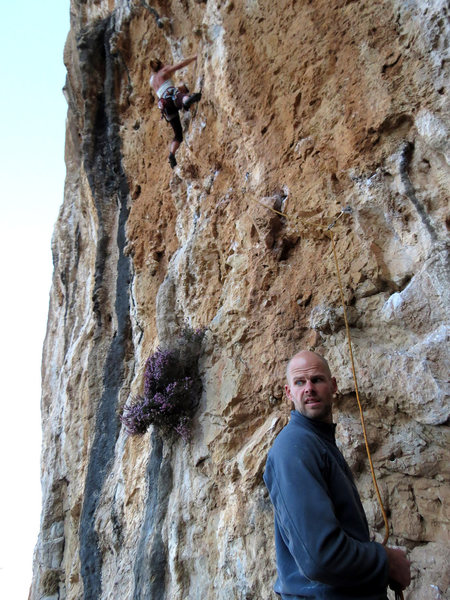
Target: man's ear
(287, 389)
(334, 384)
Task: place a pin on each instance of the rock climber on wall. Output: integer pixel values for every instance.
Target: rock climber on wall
(172, 99)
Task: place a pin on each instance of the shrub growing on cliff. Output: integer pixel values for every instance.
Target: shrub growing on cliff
(172, 388)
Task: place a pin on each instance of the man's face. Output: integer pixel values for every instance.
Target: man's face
(310, 387)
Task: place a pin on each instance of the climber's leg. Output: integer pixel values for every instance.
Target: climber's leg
(172, 160)
(188, 101)
(174, 145)
(178, 138)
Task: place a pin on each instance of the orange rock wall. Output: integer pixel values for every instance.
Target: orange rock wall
(308, 107)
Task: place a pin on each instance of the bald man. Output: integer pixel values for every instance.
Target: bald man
(323, 548)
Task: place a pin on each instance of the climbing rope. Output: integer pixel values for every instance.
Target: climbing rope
(349, 341)
(398, 594)
(348, 210)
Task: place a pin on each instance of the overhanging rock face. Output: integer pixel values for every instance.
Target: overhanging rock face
(307, 107)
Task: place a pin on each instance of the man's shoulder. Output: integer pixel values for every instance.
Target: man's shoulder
(292, 438)
(296, 428)
(295, 450)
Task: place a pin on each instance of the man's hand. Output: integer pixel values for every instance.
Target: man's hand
(399, 568)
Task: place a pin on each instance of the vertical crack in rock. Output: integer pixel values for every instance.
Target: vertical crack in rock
(103, 165)
(405, 160)
(150, 565)
(71, 291)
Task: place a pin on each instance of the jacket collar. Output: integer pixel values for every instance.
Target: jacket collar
(324, 430)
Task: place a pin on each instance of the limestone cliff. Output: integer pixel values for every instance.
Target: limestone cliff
(308, 106)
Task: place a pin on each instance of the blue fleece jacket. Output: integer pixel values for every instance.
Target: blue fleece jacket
(321, 534)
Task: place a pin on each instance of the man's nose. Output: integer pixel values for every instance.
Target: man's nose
(309, 385)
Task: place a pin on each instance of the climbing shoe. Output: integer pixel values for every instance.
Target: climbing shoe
(172, 160)
(192, 98)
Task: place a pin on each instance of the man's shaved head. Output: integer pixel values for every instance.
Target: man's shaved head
(310, 386)
(305, 354)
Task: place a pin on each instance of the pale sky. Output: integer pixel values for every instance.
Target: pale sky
(32, 128)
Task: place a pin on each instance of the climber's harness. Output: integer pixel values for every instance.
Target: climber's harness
(166, 104)
(171, 101)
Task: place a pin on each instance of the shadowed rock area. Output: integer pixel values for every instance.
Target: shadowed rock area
(307, 107)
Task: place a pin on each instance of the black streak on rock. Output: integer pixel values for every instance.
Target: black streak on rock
(103, 165)
(150, 565)
(405, 160)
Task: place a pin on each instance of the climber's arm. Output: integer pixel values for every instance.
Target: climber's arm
(169, 69)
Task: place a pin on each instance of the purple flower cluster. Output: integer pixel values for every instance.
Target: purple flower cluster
(162, 366)
(172, 388)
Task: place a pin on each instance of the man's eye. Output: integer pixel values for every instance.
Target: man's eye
(299, 382)
(317, 379)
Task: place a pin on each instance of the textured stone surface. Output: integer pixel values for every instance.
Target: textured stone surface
(307, 107)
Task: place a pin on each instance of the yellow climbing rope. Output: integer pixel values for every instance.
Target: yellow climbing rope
(348, 210)
(349, 341)
(398, 593)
